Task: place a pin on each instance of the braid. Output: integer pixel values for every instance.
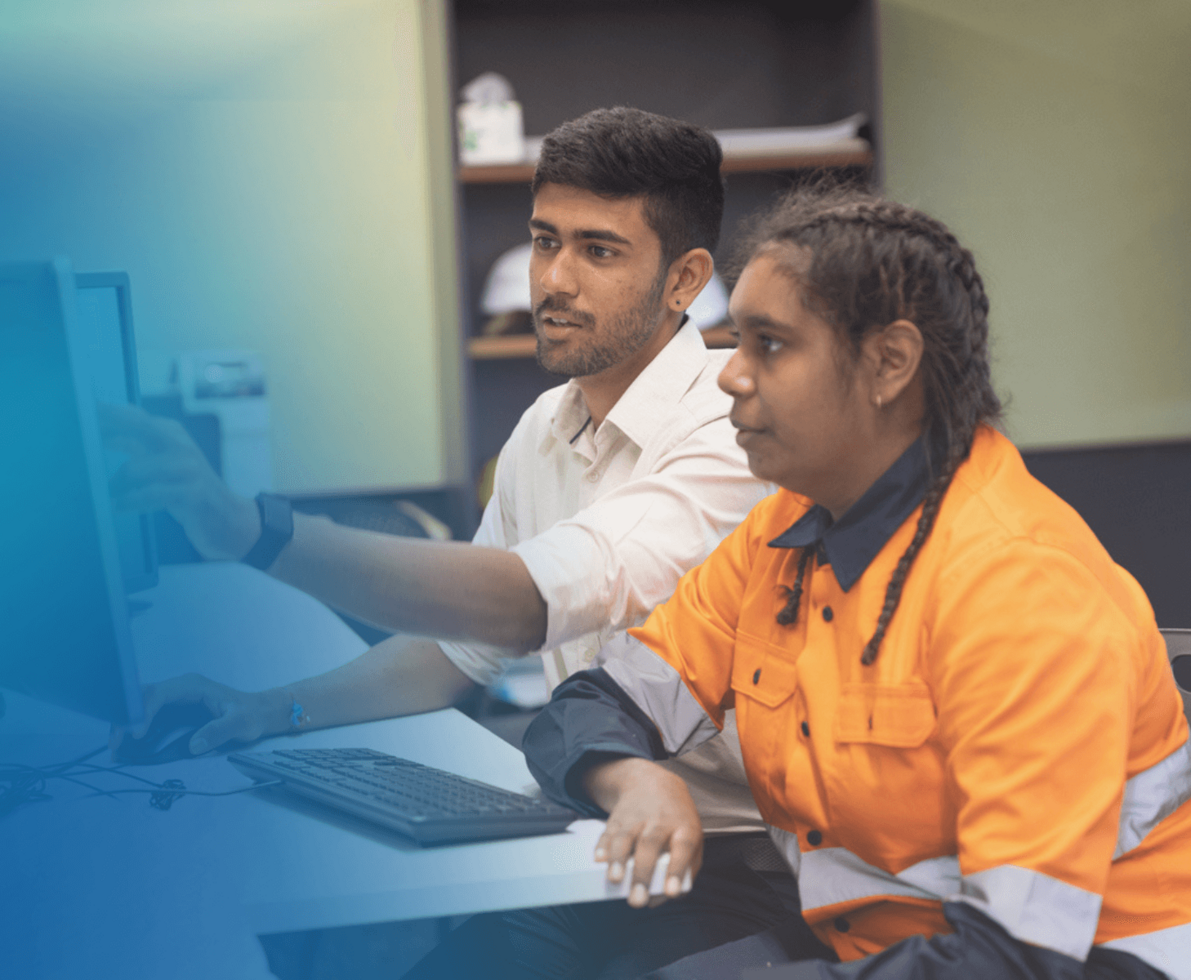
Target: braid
(789, 613)
(862, 262)
(893, 591)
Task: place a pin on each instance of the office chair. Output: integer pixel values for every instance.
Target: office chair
(1178, 649)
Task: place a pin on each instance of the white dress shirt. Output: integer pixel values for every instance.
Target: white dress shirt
(608, 520)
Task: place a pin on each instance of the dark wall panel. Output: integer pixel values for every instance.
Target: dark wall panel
(1137, 499)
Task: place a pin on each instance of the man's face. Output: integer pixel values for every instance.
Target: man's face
(594, 278)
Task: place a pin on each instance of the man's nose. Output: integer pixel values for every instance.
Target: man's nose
(558, 277)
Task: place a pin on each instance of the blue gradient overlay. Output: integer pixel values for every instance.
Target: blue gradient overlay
(258, 171)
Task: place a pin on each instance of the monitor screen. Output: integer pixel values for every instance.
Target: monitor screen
(106, 345)
(65, 634)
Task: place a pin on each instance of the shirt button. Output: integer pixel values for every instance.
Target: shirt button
(593, 476)
(806, 729)
(757, 676)
(842, 924)
(814, 838)
(828, 615)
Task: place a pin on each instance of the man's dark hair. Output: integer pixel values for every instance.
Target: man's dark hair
(626, 152)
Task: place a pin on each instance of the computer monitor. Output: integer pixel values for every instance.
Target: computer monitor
(64, 619)
(107, 346)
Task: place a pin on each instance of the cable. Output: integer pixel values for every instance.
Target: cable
(21, 783)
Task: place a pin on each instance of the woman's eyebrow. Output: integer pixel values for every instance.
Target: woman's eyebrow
(757, 321)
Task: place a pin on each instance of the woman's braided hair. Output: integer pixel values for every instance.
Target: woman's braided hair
(862, 262)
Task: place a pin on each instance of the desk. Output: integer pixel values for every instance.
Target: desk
(112, 887)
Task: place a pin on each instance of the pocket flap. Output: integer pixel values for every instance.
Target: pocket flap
(898, 715)
(762, 671)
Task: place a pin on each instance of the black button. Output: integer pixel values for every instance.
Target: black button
(806, 729)
(842, 924)
(814, 838)
(757, 675)
(828, 615)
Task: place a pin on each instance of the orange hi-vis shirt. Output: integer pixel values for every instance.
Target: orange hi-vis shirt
(1018, 745)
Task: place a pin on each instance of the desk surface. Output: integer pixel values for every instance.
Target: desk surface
(112, 886)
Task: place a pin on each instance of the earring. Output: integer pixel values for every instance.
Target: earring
(878, 403)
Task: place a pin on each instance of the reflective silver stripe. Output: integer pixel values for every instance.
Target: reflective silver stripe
(832, 875)
(1035, 908)
(1152, 796)
(658, 690)
(787, 843)
(1030, 906)
(1168, 950)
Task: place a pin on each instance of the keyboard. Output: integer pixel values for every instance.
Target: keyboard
(426, 804)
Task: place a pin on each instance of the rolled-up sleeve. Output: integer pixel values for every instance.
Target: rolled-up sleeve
(610, 564)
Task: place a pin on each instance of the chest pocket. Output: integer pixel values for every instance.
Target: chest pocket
(762, 672)
(897, 715)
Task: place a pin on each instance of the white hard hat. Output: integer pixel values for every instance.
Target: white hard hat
(711, 305)
(507, 288)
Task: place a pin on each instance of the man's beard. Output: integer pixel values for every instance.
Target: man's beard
(626, 334)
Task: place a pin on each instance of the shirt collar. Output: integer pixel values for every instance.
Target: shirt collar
(850, 544)
(649, 401)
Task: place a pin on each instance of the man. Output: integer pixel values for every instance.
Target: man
(607, 491)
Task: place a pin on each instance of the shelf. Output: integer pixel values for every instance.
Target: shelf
(843, 153)
(500, 348)
(524, 345)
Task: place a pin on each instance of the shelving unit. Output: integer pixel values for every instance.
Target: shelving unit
(723, 64)
(844, 153)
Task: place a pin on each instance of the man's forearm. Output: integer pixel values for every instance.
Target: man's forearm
(447, 590)
(400, 676)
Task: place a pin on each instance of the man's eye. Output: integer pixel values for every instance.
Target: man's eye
(543, 243)
(601, 252)
(770, 345)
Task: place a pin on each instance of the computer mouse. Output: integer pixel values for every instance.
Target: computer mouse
(168, 737)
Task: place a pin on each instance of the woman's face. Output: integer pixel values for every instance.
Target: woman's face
(803, 410)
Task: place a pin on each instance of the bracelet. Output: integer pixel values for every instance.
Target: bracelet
(298, 719)
(277, 530)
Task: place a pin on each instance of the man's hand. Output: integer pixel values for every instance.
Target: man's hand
(650, 812)
(167, 471)
(238, 716)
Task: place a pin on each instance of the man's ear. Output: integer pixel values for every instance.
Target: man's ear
(689, 273)
(894, 351)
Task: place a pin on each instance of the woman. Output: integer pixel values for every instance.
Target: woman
(956, 712)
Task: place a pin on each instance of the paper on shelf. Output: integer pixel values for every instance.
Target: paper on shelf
(762, 142)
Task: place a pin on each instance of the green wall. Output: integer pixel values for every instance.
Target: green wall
(1054, 137)
(269, 175)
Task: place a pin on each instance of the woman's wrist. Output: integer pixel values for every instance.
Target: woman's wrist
(605, 782)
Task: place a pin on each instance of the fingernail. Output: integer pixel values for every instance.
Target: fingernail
(600, 854)
(198, 746)
(638, 895)
(615, 871)
(673, 885)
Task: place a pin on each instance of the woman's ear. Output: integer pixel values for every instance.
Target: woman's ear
(689, 273)
(894, 351)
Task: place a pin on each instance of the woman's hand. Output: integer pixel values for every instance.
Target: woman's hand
(237, 715)
(650, 812)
